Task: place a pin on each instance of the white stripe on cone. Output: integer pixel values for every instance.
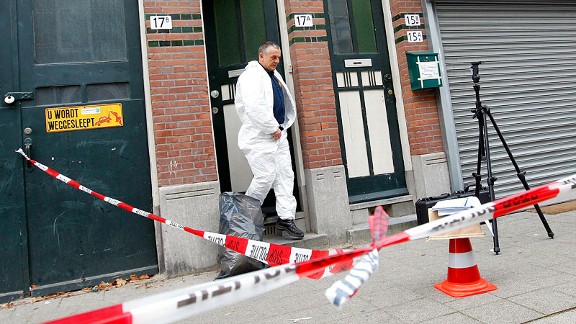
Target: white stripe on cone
(461, 260)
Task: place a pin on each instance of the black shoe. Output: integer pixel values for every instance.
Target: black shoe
(289, 228)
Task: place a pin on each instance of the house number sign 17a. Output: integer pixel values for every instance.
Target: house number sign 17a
(304, 20)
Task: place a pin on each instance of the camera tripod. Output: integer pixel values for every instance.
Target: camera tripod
(482, 112)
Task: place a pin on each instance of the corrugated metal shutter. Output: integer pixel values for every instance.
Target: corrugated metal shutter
(527, 80)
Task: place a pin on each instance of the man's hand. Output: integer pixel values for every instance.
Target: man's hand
(277, 134)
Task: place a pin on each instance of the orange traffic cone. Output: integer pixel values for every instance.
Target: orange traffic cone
(463, 274)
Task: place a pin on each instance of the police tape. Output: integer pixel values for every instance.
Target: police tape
(176, 305)
(182, 303)
(185, 302)
(484, 212)
(344, 289)
(378, 223)
(275, 254)
(268, 253)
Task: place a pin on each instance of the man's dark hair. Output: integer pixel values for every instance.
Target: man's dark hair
(264, 47)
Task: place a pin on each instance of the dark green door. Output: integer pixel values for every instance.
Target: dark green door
(234, 31)
(368, 121)
(77, 66)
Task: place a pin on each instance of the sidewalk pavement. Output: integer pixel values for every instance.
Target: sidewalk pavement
(535, 276)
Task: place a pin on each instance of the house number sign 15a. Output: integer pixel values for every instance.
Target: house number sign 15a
(414, 36)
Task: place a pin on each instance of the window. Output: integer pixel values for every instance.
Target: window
(352, 27)
(68, 31)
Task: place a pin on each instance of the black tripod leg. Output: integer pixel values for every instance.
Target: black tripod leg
(477, 176)
(484, 154)
(521, 174)
(490, 179)
(495, 238)
(522, 177)
(543, 219)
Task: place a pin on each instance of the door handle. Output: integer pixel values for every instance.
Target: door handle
(12, 97)
(28, 150)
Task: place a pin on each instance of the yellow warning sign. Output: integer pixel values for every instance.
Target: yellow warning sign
(65, 119)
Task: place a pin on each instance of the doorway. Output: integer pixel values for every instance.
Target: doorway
(234, 31)
(367, 117)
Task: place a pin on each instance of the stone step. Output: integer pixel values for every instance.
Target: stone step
(310, 241)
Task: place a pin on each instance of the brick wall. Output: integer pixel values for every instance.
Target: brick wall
(420, 106)
(315, 94)
(179, 92)
(181, 107)
(313, 86)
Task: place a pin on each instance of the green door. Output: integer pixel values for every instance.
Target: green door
(234, 31)
(368, 121)
(75, 72)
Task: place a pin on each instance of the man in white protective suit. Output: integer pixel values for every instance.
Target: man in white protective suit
(267, 109)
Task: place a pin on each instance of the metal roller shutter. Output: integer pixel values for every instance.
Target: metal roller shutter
(527, 80)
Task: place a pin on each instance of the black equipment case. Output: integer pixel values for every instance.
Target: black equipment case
(423, 204)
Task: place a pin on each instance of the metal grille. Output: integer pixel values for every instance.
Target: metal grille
(527, 80)
(270, 229)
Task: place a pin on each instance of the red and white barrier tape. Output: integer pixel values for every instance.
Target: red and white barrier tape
(269, 253)
(182, 303)
(485, 212)
(342, 290)
(176, 305)
(274, 254)
(378, 224)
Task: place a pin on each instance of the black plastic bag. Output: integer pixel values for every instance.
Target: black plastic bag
(240, 216)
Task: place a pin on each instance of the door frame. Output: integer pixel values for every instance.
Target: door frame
(397, 86)
(299, 174)
(294, 130)
(392, 61)
(150, 125)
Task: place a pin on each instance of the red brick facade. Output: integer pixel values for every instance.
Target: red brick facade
(420, 106)
(179, 92)
(181, 107)
(313, 88)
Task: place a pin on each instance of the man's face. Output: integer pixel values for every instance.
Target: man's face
(270, 58)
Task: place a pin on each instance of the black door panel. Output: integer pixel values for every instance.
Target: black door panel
(88, 57)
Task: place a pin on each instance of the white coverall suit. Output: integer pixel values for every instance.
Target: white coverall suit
(268, 158)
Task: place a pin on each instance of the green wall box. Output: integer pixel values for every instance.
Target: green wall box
(424, 70)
